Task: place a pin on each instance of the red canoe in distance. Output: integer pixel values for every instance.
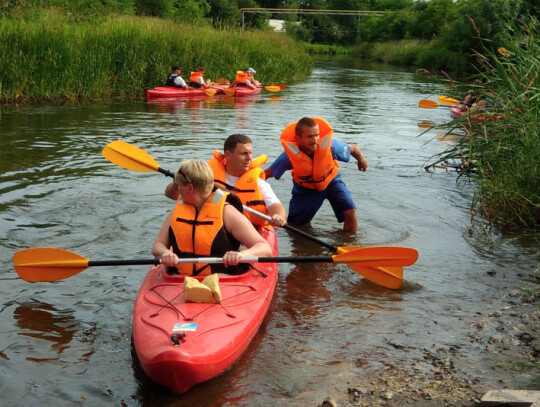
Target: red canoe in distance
(169, 92)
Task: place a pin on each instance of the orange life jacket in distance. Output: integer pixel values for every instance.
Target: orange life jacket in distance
(241, 77)
(247, 186)
(194, 76)
(202, 233)
(311, 172)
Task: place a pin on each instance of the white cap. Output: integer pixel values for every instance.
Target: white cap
(252, 70)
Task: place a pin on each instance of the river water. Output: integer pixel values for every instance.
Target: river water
(69, 342)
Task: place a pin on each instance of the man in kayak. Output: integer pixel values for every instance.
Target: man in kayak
(245, 78)
(206, 222)
(196, 79)
(235, 171)
(312, 156)
(174, 79)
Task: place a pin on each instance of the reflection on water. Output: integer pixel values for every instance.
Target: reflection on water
(42, 321)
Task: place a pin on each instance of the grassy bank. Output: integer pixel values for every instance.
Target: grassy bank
(502, 152)
(50, 58)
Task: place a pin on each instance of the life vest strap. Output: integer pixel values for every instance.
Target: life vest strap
(195, 222)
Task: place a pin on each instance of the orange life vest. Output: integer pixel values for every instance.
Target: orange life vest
(194, 76)
(241, 77)
(201, 233)
(319, 171)
(247, 186)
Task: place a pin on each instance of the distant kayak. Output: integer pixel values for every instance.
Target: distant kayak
(456, 111)
(239, 91)
(169, 92)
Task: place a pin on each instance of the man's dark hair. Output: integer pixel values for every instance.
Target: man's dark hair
(304, 122)
(234, 139)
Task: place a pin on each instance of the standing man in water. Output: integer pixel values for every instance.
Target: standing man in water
(312, 156)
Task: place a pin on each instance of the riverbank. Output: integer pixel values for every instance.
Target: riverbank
(506, 340)
(52, 58)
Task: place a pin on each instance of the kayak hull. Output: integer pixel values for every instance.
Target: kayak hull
(246, 91)
(172, 93)
(209, 337)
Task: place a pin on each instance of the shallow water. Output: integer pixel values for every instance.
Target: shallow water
(69, 342)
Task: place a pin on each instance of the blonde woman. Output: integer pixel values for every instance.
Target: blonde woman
(206, 222)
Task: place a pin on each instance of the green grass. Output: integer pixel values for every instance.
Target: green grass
(52, 58)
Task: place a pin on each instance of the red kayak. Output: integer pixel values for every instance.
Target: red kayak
(240, 91)
(169, 92)
(180, 344)
(456, 111)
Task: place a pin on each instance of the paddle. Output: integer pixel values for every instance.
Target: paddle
(448, 101)
(429, 104)
(52, 264)
(269, 88)
(133, 158)
(390, 277)
(222, 81)
(210, 92)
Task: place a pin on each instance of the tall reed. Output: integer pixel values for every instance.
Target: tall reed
(501, 147)
(51, 58)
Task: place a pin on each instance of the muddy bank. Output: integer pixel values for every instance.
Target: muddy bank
(502, 351)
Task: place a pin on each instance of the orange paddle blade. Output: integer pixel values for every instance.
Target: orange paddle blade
(378, 256)
(390, 277)
(210, 92)
(129, 156)
(229, 91)
(47, 264)
(222, 81)
(428, 104)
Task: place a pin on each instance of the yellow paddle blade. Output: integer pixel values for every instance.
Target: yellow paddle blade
(210, 92)
(378, 256)
(428, 104)
(47, 264)
(129, 157)
(273, 88)
(222, 81)
(445, 100)
(229, 91)
(257, 162)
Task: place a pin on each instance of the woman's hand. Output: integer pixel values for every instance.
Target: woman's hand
(169, 259)
(231, 258)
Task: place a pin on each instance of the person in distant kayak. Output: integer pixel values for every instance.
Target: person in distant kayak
(174, 79)
(245, 78)
(312, 156)
(206, 222)
(196, 79)
(236, 171)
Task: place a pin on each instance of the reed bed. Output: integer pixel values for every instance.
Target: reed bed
(501, 146)
(52, 59)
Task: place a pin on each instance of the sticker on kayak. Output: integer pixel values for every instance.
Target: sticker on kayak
(185, 326)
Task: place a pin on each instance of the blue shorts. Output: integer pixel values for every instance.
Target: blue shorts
(306, 202)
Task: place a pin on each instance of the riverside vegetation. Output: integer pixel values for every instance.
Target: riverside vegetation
(502, 151)
(52, 57)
